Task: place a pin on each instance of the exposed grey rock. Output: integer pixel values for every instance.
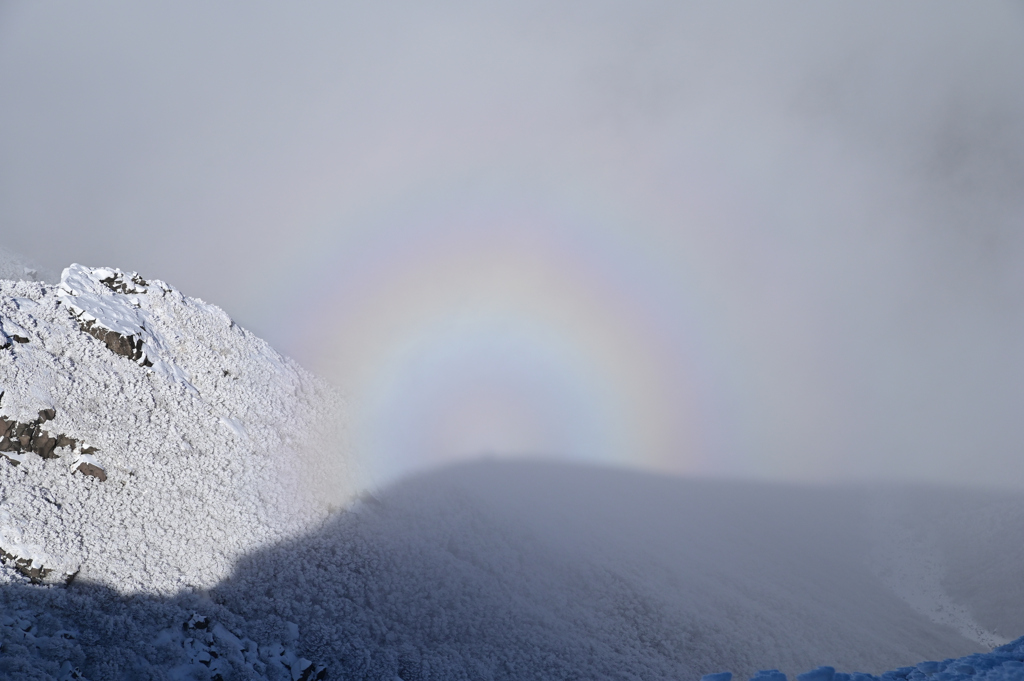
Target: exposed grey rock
(91, 468)
(119, 282)
(37, 573)
(43, 445)
(126, 346)
(23, 437)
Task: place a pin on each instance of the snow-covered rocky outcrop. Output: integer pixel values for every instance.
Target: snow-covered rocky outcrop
(146, 440)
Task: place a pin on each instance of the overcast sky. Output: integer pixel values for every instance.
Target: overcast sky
(773, 240)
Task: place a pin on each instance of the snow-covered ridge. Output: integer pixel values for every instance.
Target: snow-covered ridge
(113, 307)
(146, 440)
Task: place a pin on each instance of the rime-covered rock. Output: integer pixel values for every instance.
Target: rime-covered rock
(146, 440)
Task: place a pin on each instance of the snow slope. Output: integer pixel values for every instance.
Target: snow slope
(524, 570)
(150, 441)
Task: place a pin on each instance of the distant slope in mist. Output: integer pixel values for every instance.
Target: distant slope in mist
(15, 267)
(525, 570)
(975, 537)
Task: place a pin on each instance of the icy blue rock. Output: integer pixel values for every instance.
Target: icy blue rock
(819, 674)
(720, 676)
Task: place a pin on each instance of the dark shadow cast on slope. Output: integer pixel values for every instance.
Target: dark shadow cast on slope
(88, 631)
(528, 570)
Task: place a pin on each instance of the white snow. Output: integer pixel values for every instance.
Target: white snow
(11, 332)
(909, 561)
(163, 520)
(133, 312)
(234, 426)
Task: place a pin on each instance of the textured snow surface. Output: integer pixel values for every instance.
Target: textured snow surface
(95, 634)
(530, 571)
(184, 495)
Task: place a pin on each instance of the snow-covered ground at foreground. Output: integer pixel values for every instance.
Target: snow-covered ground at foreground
(173, 505)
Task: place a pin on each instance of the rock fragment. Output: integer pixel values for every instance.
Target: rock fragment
(87, 464)
(12, 457)
(9, 331)
(37, 573)
(129, 346)
(43, 444)
(17, 438)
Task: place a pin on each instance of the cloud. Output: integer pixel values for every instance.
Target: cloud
(824, 196)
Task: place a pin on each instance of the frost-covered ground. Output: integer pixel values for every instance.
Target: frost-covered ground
(147, 441)
(173, 506)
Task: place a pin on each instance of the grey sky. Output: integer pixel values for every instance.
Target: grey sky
(843, 181)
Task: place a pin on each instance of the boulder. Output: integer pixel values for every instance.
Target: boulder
(89, 465)
(43, 445)
(16, 438)
(126, 346)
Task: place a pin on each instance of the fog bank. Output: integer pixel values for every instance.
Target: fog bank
(769, 241)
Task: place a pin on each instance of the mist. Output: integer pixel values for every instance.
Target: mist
(778, 242)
